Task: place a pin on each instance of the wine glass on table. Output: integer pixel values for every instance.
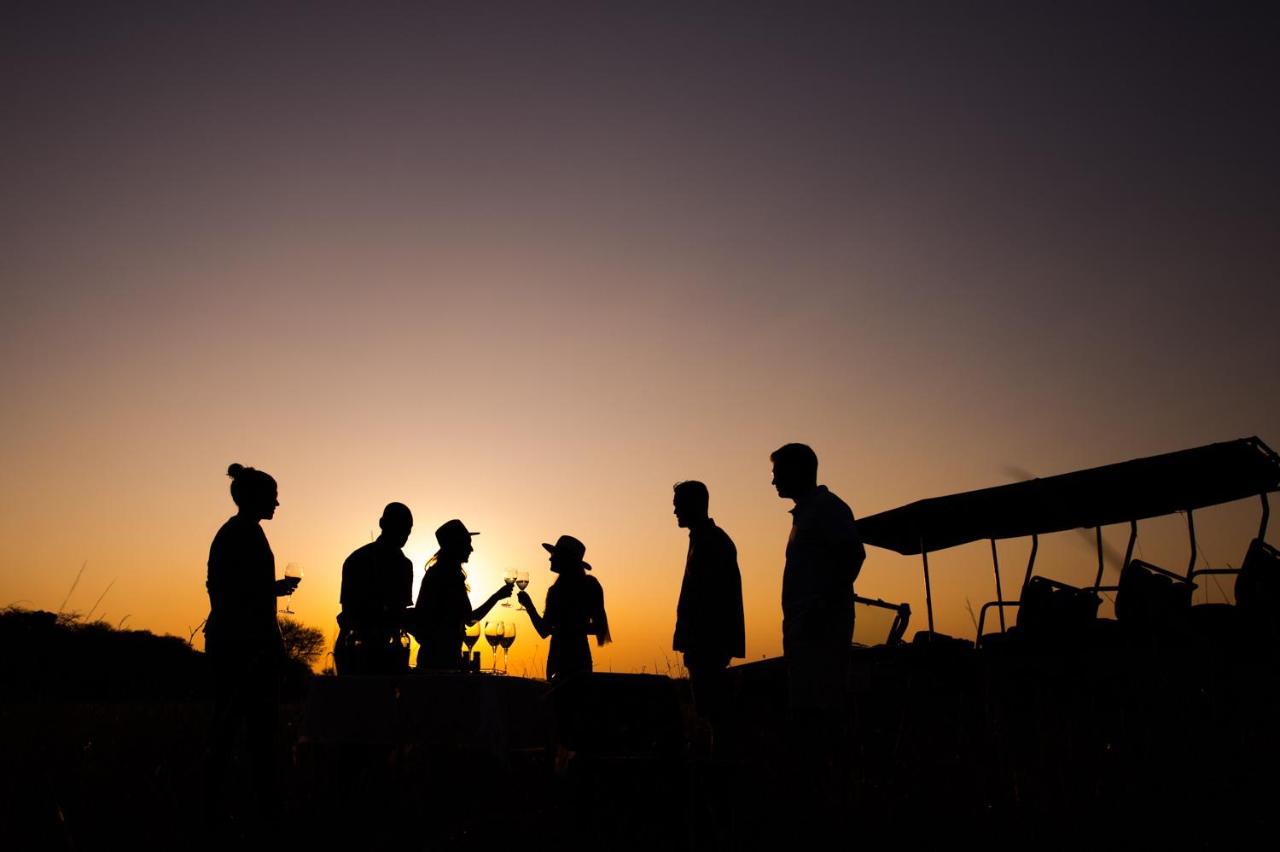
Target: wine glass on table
(507, 639)
(509, 577)
(292, 571)
(470, 637)
(522, 583)
(493, 635)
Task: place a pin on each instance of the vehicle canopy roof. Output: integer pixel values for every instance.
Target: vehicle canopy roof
(1115, 493)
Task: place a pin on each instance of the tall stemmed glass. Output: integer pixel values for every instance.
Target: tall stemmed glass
(509, 577)
(470, 638)
(508, 638)
(522, 581)
(292, 571)
(493, 635)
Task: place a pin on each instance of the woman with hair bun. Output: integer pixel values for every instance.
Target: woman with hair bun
(242, 639)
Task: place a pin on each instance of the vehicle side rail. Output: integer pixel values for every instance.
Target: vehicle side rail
(1199, 572)
(1177, 578)
(901, 618)
(982, 614)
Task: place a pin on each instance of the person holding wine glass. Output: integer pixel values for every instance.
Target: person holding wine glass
(508, 577)
(443, 609)
(574, 610)
(243, 642)
(522, 583)
(292, 572)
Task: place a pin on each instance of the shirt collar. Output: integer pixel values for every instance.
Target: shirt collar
(803, 505)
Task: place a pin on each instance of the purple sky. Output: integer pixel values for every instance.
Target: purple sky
(610, 245)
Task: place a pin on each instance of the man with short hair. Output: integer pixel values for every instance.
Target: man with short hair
(377, 589)
(709, 623)
(824, 556)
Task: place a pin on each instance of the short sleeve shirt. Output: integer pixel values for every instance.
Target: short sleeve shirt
(377, 583)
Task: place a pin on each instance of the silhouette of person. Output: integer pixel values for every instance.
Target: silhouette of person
(709, 623)
(243, 642)
(574, 610)
(377, 590)
(443, 610)
(824, 555)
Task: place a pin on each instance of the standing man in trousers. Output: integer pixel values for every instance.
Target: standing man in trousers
(824, 555)
(709, 622)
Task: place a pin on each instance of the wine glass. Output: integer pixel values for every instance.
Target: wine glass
(522, 582)
(470, 637)
(493, 635)
(292, 571)
(509, 577)
(508, 637)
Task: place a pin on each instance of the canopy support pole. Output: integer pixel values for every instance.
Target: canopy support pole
(928, 588)
(1031, 562)
(1266, 516)
(995, 560)
(1133, 539)
(1191, 533)
(1097, 531)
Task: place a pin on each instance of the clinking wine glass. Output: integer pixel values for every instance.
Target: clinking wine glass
(507, 639)
(509, 577)
(493, 635)
(522, 582)
(292, 571)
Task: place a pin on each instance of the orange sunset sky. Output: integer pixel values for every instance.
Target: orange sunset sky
(530, 267)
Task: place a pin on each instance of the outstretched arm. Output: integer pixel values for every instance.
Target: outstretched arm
(540, 623)
(483, 610)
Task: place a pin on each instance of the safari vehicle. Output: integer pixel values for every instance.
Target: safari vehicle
(1148, 596)
(1054, 716)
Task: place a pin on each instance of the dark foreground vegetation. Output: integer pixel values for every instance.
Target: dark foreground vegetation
(1108, 743)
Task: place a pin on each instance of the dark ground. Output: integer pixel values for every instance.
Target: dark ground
(1112, 745)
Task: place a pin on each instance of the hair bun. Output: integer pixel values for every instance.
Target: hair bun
(234, 470)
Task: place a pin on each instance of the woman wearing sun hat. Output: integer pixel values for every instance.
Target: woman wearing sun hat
(574, 610)
(443, 609)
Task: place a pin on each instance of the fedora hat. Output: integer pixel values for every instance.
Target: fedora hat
(570, 548)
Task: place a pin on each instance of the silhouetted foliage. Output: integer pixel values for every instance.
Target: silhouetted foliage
(43, 654)
(302, 644)
(47, 655)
